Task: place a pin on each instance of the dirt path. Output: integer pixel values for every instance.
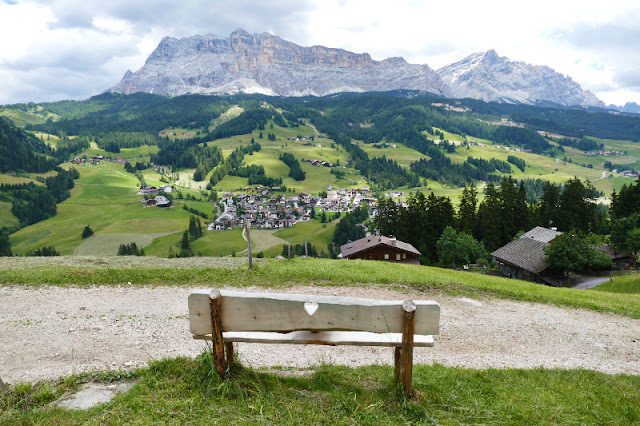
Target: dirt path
(49, 332)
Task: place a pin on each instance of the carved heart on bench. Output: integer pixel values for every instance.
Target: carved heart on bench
(310, 307)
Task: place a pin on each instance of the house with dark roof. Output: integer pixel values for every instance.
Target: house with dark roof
(523, 258)
(381, 248)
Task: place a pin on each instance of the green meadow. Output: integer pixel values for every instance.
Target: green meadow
(21, 118)
(104, 198)
(6, 217)
(188, 391)
(402, 154)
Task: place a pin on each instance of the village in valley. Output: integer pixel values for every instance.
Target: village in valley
(266, 210)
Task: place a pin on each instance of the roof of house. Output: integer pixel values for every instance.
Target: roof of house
(373, 241)
(525, 253)
(539, 233)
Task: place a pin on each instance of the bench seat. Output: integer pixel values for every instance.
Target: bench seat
(332, 338)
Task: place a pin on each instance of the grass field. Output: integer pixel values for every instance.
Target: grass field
(6, 217)
(312, 232)
(212, 243)
(629, 284)
(13, 180)
(21, 118)
(402, 154)
(284, 273)
(188, 391)
(108, 244)
(263, 239)
(104, 198)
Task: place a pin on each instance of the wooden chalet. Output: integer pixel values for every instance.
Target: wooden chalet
(381, 248)
(523, 258)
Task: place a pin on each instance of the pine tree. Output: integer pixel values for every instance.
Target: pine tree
(5, 245)
(185, 245)
(489, 228)
(87, 232)
(467, 211)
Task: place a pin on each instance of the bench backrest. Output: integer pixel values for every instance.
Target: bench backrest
(245, 311)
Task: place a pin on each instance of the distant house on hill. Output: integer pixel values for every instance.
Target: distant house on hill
(523, 258)
(380, 248)
(162, 201)
(149, 190)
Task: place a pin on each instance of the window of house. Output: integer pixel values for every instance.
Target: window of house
(397, 256)
(404, 255)
(386, 256)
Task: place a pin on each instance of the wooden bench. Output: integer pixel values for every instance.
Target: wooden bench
(225, 317)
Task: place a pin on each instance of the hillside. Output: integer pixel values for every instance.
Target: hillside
(399, 142)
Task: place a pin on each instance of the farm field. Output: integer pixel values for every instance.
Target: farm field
(104, 198)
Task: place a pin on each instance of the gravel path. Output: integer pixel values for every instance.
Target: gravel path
(50, 332)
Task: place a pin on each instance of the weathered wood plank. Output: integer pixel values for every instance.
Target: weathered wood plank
(244, 311)
(333, 338)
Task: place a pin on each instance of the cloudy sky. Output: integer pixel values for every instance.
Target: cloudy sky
(73, 49)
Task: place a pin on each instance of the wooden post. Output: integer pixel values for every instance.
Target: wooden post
(306, 253)
(215, 304)
(406, 355)
(247, 227)
(228, 347)
(397, 367)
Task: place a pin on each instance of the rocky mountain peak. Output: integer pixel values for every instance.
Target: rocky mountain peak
(491, 77)
(265, 63)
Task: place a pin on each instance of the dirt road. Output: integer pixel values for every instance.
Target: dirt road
(49, 332)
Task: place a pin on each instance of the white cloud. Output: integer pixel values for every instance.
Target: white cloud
(97, 42)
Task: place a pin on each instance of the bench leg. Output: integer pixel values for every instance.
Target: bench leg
(215, 302)
(406, 354)
(228, 347)
(397, 367)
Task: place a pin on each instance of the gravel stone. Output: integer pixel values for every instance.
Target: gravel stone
(49, 332)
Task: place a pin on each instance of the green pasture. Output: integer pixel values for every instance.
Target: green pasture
(51, 140)
(313, 232)
(140, 153)
(402, 154)
(16, 180)
(263, 239)
(317, 177)
(106, 200)
(269, 159)
(21, 118)
(108, 244)
(212, 243)
(232, 183)
(174, 133)
(452, 137)
(629, 284)
(6, 217)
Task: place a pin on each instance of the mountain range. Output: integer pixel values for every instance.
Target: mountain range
(267, 64)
